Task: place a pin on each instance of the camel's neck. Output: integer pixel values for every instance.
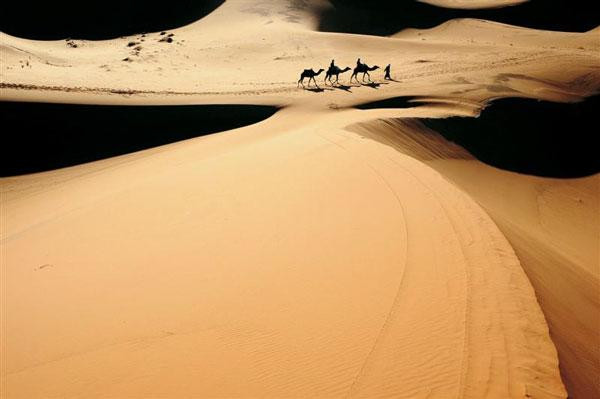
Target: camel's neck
(372, 68)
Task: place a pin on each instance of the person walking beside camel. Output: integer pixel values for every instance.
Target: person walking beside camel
(387, 72)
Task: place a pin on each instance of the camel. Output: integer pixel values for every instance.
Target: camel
(310, 74)
(334, 71)
(364, 69)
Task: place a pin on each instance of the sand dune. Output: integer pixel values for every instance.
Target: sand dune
(473, 4)
(327, 251)
(424, 280)
(553, 225)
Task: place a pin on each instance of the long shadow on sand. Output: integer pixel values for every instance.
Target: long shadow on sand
(533, 137)
(107, 19)
(317, 89)
(382, 17)
(44, 136)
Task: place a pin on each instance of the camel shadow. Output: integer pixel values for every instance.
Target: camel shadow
(345, 88)
(393, 80)
(373, 85)
(317, 89)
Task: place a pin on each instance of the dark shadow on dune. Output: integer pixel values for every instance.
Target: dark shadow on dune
(394, 102)
(529, 136)
(48, 136)
(381, 17)
(53, 20)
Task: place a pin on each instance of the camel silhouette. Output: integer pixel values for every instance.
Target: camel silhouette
(310, 74)
(364, 69)
(334, 71)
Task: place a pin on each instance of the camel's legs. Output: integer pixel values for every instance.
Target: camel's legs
(337, 78)
(301, 81)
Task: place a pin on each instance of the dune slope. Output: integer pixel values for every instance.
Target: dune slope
(278, 289)
(553, 226)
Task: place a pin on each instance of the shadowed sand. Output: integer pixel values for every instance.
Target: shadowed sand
(326, 251)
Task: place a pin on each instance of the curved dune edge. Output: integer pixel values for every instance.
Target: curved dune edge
(473, 4)
(553, 225)
(281, 286)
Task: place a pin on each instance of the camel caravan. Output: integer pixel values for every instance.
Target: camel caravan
(335, 71)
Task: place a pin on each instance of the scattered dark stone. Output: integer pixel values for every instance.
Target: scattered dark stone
(163, 33)
(127, 92)
(131, 44)
(127, 59)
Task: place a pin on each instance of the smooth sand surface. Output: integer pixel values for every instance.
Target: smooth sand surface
(324, 252)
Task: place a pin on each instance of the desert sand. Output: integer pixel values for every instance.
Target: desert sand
(327, 251)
